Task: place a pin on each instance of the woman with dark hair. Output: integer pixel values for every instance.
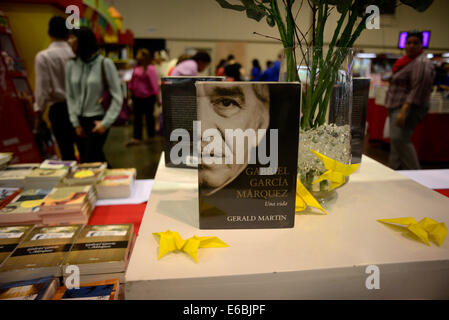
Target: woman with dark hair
(88, 75)
(256, 71)
(407, 101)
(144, 88)
(191, 67)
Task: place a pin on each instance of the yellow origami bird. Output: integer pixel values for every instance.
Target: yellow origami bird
(304, 199)
(425, 229)
(172, 241)
(336, 171)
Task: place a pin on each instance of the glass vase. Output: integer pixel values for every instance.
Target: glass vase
(325, 75)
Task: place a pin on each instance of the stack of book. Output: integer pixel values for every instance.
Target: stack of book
(8, 194)
(10, 238)
(41, 254)
(37, 289)
(14, 175)
(68, 205)
(117, 183)
(5, 159)
(99, 290)
(86, 174)
(24, 208)
(101, 252)
(44, 178)
(58, 164)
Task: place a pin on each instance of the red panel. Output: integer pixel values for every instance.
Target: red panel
(443, 192)
(132, 213)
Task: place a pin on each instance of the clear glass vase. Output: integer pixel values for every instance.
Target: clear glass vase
(326, 83)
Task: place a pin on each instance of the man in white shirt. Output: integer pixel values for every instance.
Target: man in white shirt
(50, 86)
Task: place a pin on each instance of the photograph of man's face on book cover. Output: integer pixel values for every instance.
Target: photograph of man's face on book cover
(246, 128)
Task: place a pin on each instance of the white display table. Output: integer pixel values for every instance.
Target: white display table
(322, 257)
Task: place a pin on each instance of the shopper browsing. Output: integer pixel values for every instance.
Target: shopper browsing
(407, 101)
(145, 91)
(85, 87)
(50, 87)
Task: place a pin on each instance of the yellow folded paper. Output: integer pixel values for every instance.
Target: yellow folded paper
(304, 199)
(172, 241)
(425, 229)
(169, 242)
(336, 171)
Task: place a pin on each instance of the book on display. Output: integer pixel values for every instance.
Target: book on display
(58, 164)
(86, 174)
(99, 290)
(117, 183)
(248, 147)
(10, 238)
(5, 159)
(68, 205)
(14, 175)
(101, 249)
(44, 178)
(24, 208)
(179, 112)
(36, 289)
(8, 194)
(41, 254)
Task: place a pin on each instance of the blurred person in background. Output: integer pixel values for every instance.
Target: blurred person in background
(85, 79)
(145, 92)
(191, 67)
(50, 87)
(220, 69)
(233, 70)
(407, 101)
(181, 58)
(256, 71)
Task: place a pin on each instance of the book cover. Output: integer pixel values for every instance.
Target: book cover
(179, 112)
(66, 196)
(37, 289)
(44, 247)
(47, 173)
(7, 195)
(10, 238)
(58, 164)
(118, 177)
(14, 175)
(102, 244)
(28, 201)
(248, 136)
(99, 290)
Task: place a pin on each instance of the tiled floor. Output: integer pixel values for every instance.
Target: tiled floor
(145, 157)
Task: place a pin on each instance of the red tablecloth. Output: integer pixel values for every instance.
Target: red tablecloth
(431, 139)
(126, 213)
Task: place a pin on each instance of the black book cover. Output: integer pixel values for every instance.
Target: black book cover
(179, 112)
(248, 147)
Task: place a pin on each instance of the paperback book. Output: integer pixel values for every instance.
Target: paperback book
(179, 112)
(117, 183)
(24, 208)
(10, 238)
(44, 178)
(99, 290)
(41, 254)
(8, 194)
(101, 249)
(86, 174)
(248, 151)
(14, 175)
(37, 289)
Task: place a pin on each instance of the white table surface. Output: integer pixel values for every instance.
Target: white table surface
(322, 257)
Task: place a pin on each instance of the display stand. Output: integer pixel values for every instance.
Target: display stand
(16, 97)
(322, 257)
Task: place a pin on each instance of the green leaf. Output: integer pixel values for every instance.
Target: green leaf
(226, 5)
(270, 21)
(253, 11)
(418, 5)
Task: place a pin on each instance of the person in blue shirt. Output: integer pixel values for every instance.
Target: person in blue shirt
(256, 71)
